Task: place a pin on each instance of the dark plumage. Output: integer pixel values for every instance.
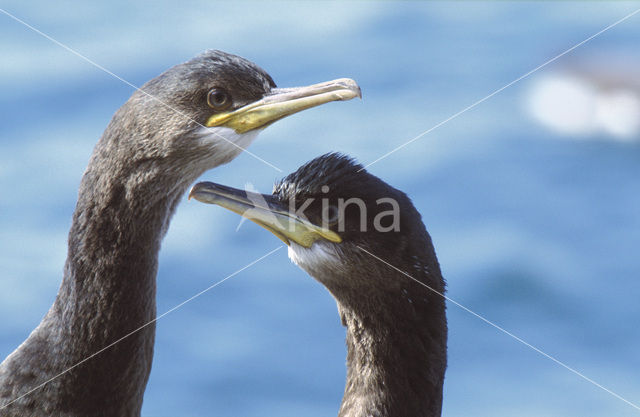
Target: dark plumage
(396, 328)
(153, 148)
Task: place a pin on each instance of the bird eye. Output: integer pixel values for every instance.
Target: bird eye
(331, 215)
(218, 99)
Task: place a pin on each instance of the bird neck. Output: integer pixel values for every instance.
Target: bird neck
(115, 237)
(108, 290)
(396, 355)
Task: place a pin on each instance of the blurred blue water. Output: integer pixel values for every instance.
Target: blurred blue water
(535, 232)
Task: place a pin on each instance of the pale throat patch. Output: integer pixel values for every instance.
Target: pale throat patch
(319, 255)
(226, 141)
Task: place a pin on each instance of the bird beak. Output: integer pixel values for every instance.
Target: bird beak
(266, 211)
(282, 102)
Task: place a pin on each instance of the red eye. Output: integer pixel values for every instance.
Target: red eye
(218, 99)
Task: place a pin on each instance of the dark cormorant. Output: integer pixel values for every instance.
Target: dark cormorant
(336, 218)
(155, 146)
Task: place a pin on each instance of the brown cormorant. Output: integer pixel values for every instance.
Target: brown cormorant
(337, 218)
(193, 117)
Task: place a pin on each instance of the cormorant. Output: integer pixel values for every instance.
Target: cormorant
(337, 218)
(193, 117)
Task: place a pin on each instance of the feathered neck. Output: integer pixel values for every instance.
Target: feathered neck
(108, 291)
(396, 352)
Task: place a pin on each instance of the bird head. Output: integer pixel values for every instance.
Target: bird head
(204, 112)
(331, 212)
